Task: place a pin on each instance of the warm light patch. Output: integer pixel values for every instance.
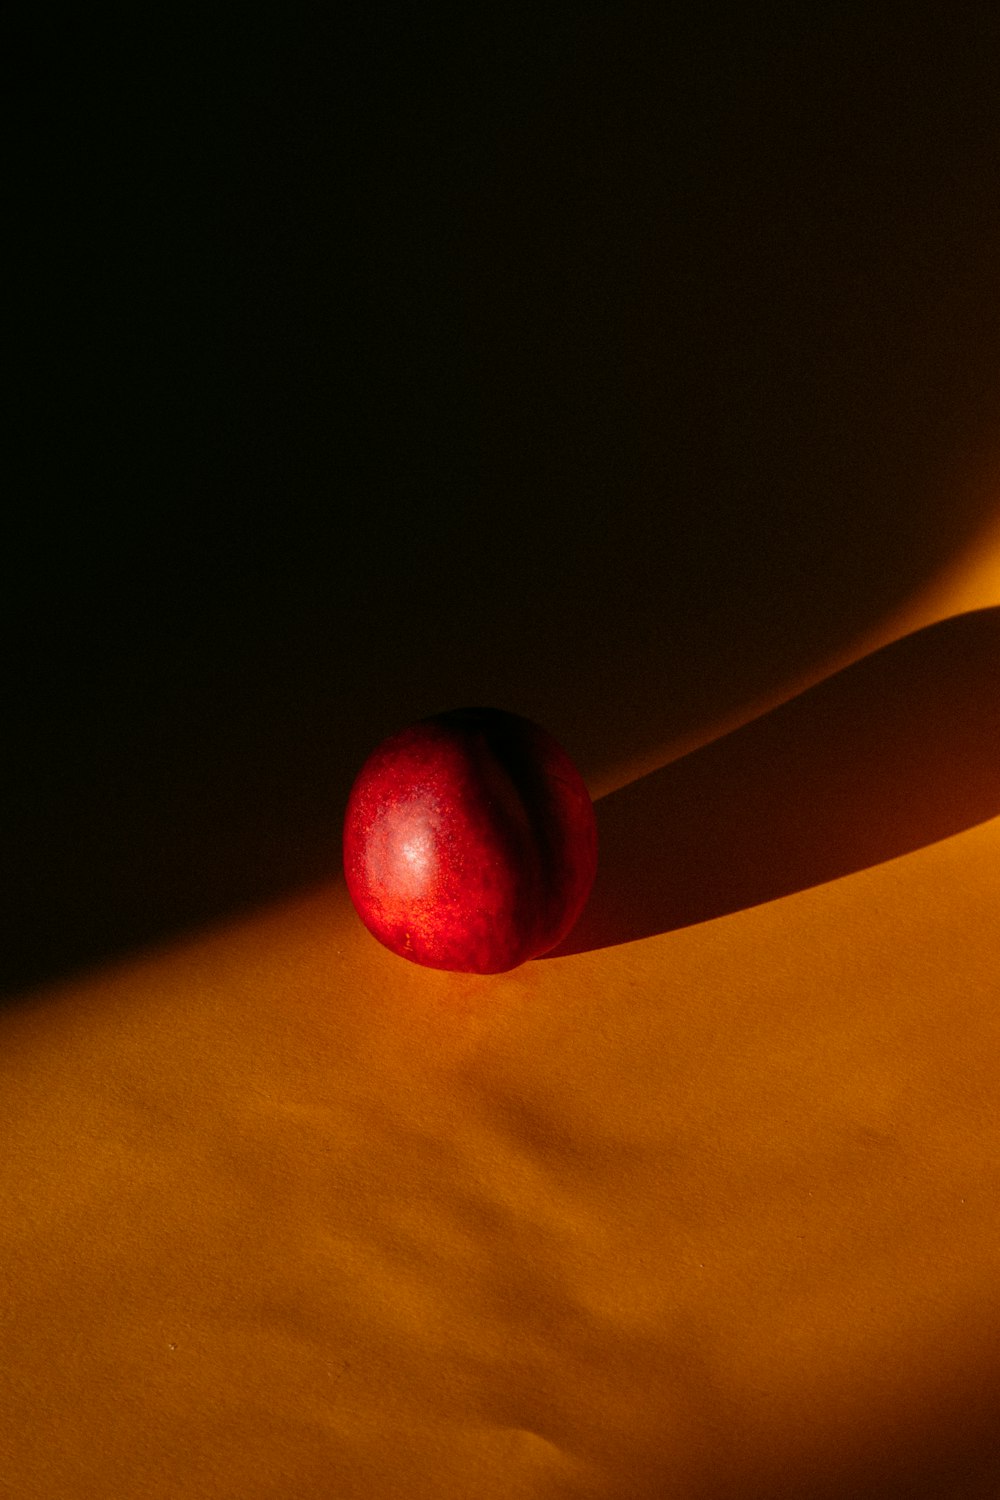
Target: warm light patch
(977, 584)
(971, 582)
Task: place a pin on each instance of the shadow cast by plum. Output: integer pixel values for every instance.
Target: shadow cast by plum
(893, 753)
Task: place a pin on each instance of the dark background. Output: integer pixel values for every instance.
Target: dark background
(602, 363)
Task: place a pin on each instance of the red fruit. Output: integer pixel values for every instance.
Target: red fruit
(470, 842)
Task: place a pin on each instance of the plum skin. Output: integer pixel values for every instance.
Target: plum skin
(470, 842)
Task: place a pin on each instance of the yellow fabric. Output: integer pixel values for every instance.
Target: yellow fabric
(713, 1213)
